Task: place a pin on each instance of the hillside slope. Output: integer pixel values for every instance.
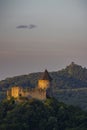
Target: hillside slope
(73, 76)
(69, 84)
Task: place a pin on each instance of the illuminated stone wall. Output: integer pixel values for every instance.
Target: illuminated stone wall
(15, 92)
(36, 93)
(43, 84)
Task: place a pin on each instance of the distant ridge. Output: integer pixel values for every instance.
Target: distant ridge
(73, 76)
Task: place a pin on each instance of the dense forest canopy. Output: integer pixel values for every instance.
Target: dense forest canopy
(36, 115)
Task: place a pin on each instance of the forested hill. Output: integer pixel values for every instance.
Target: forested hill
(36, 115)
(73, 76)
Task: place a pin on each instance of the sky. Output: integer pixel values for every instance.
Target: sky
(41, 34)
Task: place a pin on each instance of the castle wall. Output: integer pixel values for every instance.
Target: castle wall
(44, 89)
(8, 94)
(38, 94)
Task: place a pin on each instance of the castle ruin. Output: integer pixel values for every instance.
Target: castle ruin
(41, 92)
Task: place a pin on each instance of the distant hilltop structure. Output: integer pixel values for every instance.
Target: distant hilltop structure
(42, 91)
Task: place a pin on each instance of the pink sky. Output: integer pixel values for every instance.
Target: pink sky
(35, 35)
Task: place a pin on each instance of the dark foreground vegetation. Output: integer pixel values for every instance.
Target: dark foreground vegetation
(36, 115)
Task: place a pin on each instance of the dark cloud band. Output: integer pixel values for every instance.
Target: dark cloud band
(22, 26)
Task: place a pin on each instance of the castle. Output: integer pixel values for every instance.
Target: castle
(41, 92)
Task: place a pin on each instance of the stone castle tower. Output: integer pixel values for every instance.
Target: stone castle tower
(45, 84)
(45, 81)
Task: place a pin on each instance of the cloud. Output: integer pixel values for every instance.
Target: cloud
(22, 26)
(31, 26)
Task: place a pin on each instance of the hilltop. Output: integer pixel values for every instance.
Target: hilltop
(69, 84)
